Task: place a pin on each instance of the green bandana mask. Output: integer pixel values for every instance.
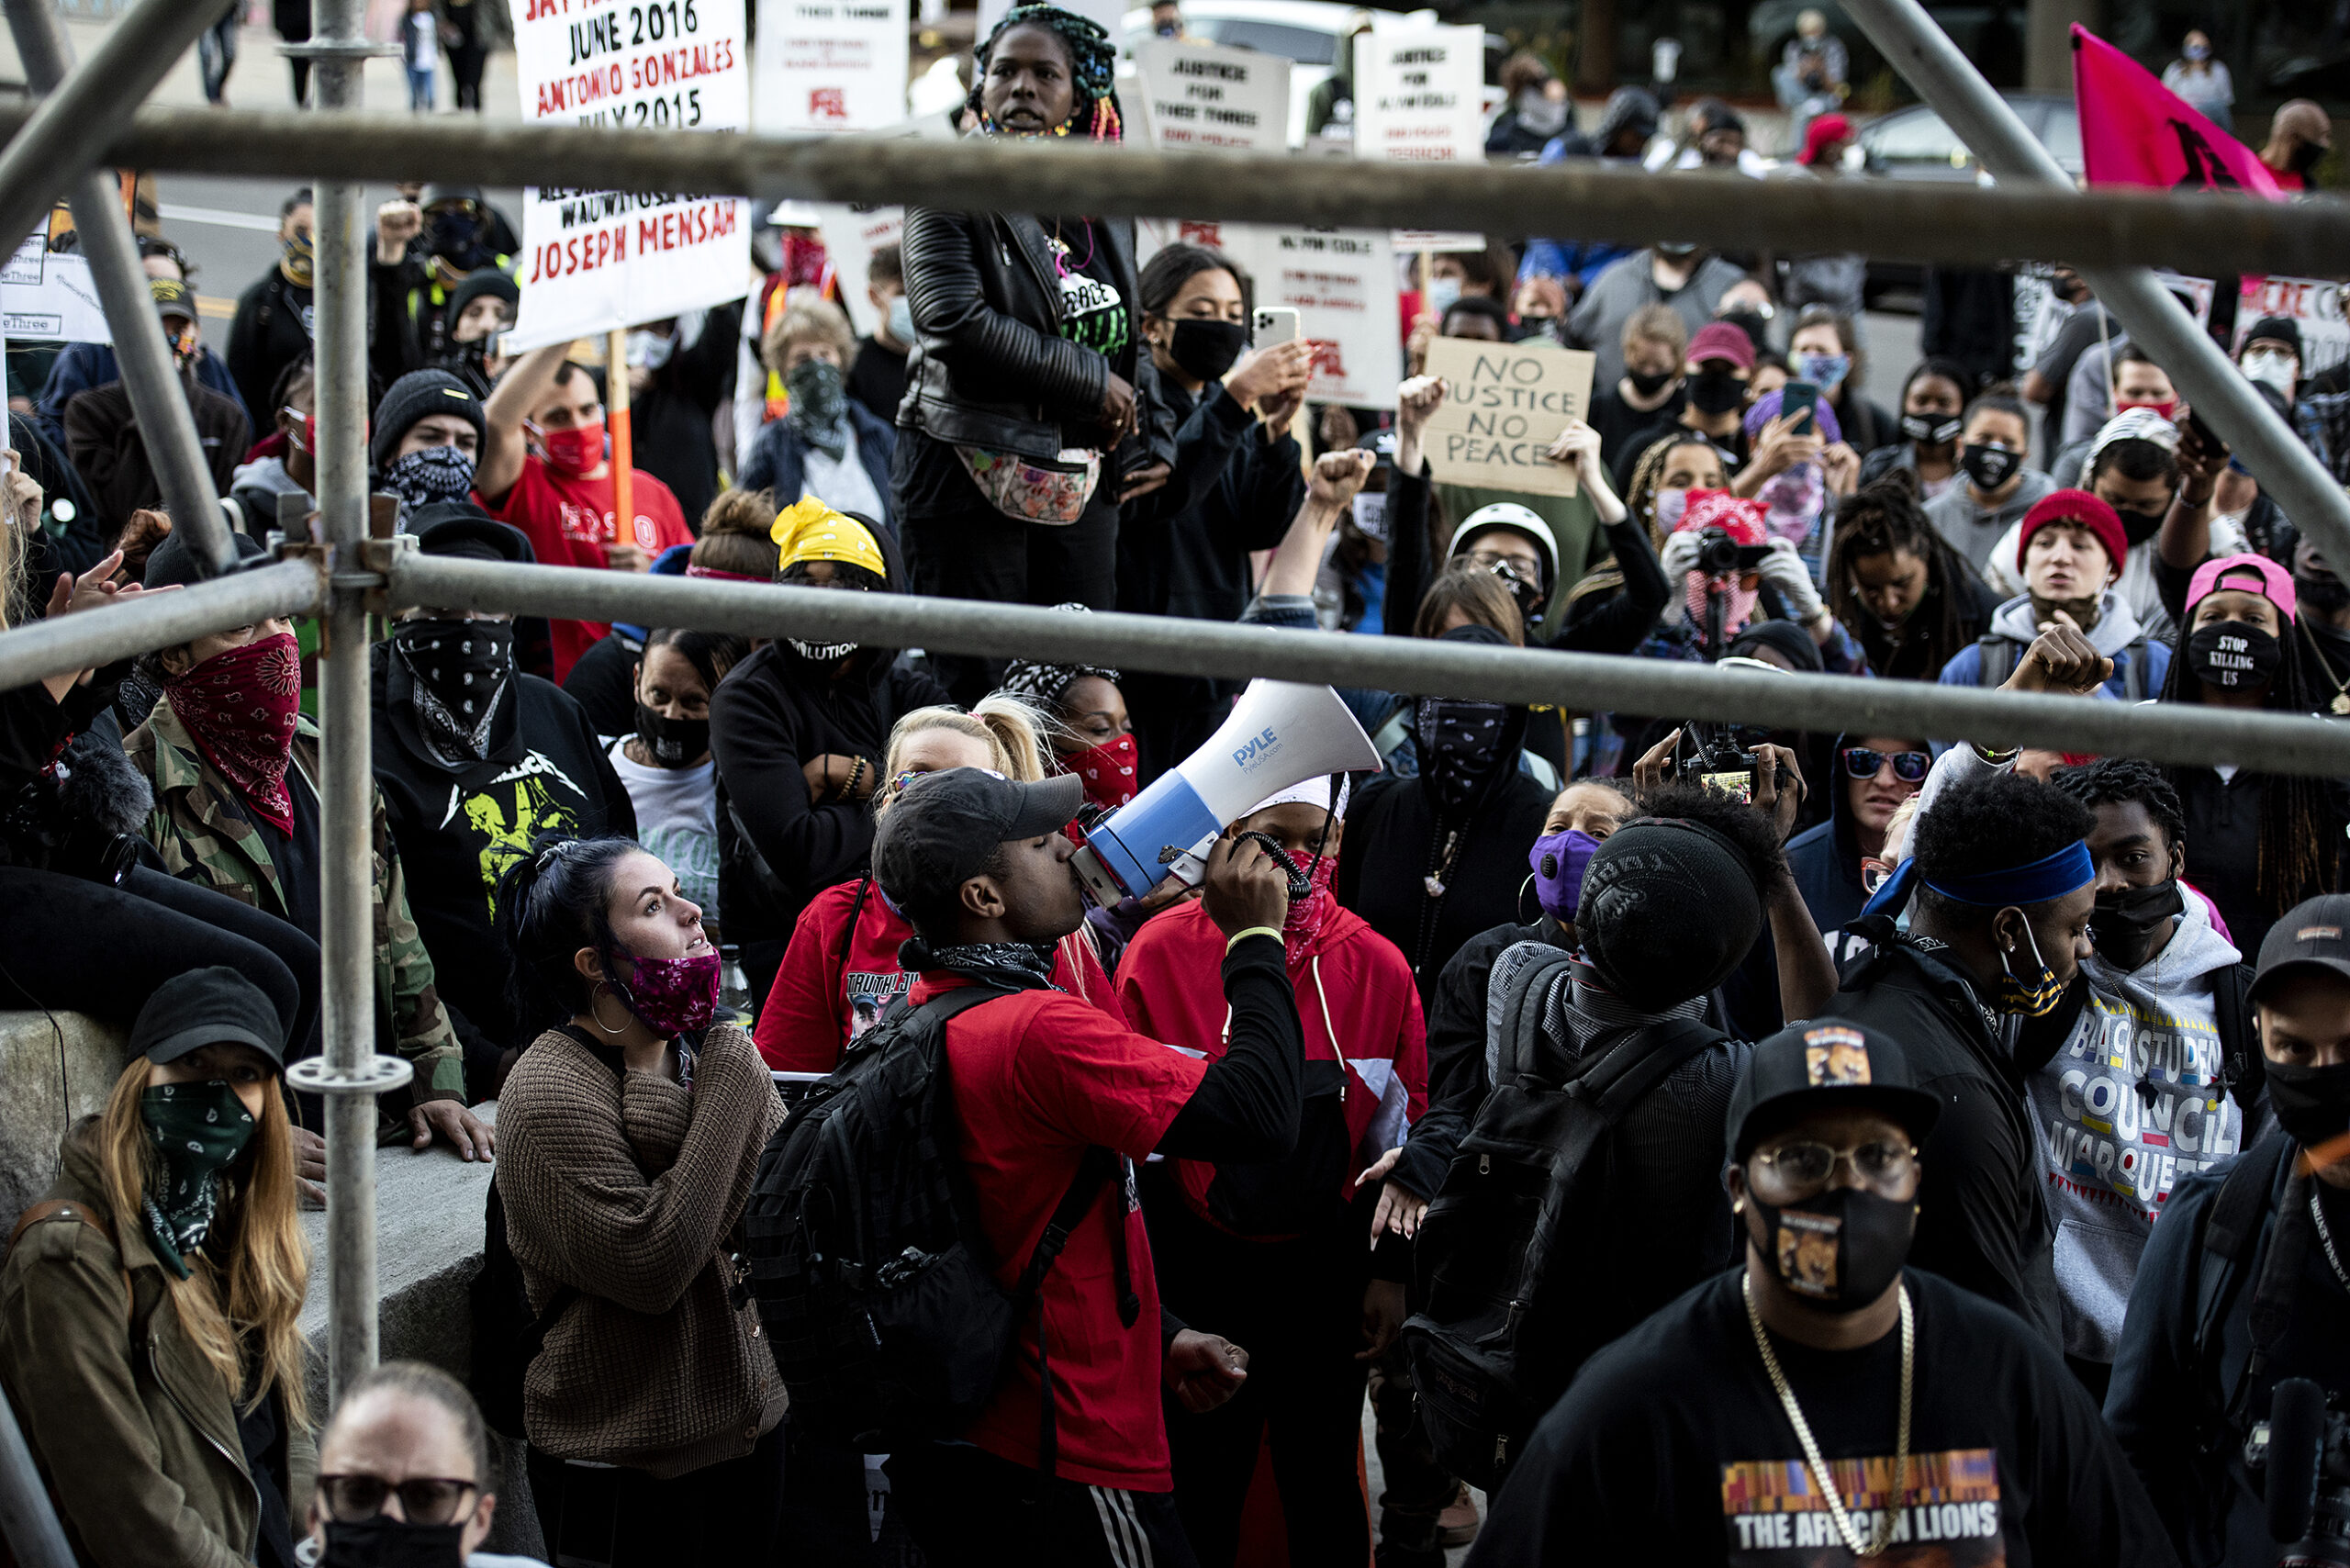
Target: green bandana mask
(200, 1130)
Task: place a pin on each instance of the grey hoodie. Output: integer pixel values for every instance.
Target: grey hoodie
(2130, 1104)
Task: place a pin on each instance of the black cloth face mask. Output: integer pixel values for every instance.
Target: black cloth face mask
(387, 1542)
(1716, 392)
(2230, 654)
(1206, 349)
(1841, 1248)
(1989, 466)
(2326, 593)
(1648, 384)
(2140, 526)
(2313, 1104)
(2124, 921)
(1932, 430)
(671, 743)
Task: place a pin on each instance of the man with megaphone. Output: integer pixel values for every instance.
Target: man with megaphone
(1040, 1081)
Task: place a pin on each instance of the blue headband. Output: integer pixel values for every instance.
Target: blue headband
(2050, 877)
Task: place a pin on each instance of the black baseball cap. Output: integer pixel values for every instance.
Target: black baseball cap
(1825, 1064)
(207, 1007)
(945, 827)
(2312, 935)
(463, 530)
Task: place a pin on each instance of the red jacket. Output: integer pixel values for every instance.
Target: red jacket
(1355, 997)
(818, 1003)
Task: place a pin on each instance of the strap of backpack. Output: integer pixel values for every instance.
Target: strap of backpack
(1516, 995)
(2234, 1225)
(2244, 1199)
(848, 932)
(1999, 659)
(2242, 1066)
(1636, 1065)
(1098, 1166)
(67, 1208)
(2134, 675)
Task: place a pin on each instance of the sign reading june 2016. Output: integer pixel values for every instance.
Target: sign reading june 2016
(831, 65)
(595, 260)
(1503, 407)
(1205, 97)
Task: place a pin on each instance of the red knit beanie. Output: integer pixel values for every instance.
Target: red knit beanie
(2078, 507)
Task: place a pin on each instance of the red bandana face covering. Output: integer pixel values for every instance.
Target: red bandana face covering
(1108, 771)
(239, 707)
(1302, 924)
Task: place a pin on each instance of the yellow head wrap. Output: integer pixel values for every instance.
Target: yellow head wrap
(811, 531)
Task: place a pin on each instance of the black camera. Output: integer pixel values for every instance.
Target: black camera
(1721, 756)
(2304, 1446)
(1719, 555)
(37, 830)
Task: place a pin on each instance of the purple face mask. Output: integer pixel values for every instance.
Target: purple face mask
(673, 996)
(1558, 859)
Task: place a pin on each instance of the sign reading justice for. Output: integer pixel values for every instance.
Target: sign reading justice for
(1504, 404)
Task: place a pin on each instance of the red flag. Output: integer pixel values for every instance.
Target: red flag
(2136, 131)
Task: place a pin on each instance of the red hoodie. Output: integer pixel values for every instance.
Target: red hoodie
(818, 1005)
(1356, 998)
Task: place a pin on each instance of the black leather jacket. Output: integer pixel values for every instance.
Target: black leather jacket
(987, 366)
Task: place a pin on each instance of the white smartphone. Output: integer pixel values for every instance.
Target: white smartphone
(1276, 324)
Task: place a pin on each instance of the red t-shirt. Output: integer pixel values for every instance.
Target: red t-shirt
(1040, 1077)
(569, 521)
(818, 1005)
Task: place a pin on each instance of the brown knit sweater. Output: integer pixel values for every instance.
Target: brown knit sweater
(628, 1187)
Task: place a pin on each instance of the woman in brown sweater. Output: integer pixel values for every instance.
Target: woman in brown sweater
(631, 1128)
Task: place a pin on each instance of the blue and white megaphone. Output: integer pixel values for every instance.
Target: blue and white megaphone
(1279, 734)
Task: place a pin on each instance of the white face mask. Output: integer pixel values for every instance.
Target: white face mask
(2271, 369)
(650, 350)
(1671, 505)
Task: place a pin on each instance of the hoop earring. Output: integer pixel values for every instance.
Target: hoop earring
(1518, 905)
(592, 997)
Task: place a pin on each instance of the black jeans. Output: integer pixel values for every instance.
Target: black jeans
(976, 552)
(723, 1513)
(84, 946)
(966, 1508)
(1297, 1307)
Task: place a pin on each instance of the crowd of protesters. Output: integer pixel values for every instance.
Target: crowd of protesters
(1718, 1144)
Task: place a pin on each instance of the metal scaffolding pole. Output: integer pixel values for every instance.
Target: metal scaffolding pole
(98, 637)
(166, 424)
(351, 1074)
(1959, 225)
(1916, 46)
(67, 132)
(2273, 743)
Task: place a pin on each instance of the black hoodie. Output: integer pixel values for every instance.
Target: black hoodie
(1396, 841)
(775, 711)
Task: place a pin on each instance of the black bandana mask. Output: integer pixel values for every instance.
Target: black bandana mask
(2125, 919)
(1843, 1248)
(1460, 743)
(433, 474)
(461, 669)
(1009, 966)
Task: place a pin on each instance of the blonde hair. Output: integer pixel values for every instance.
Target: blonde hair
(1005, 725)
(255, 1230)
(1896, 829)
(819, 321)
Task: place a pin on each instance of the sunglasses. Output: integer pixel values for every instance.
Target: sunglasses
(1909, 767)
(424, 1499)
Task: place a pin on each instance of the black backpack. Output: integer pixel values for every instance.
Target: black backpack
(1492, 1347)
(866, 1258)
(507, 1335)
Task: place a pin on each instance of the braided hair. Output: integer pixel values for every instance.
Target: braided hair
(2295, 854)
(1092, 68)
(1880, 519)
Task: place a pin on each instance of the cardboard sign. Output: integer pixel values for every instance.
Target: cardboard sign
(1504, 404)
(851, 236)
(47, 296)
(829, 65)
(594, 260)
(1418, 94)
(1205, 97)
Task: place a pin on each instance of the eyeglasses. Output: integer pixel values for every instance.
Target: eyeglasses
(424, 1499)
(1803, 1169)
(1527, 567)
(1909, 767)
(1874, 873)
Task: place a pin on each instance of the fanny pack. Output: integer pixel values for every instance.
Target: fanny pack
(1051, 492)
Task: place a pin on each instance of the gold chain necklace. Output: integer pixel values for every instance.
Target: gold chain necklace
(2341, 703)
(1882, 1536)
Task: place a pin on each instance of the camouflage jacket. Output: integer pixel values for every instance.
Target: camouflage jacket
(203, 839)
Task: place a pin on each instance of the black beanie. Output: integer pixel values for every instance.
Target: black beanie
(176, 563)
(412, 398)
(474, 284)
(1668, 909)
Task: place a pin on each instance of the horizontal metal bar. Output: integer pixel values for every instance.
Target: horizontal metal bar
(2270, 743)
(1961, 225)
(97, 637)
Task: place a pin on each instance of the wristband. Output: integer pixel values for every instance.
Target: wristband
(1239, 937)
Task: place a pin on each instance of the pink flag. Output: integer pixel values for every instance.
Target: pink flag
(2136, 131)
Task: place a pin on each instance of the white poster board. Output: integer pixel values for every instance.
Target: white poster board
(1342, 284)
(851, 236)
(2312, 302)
(1205, 97)
(595, 260)
(829, 65)
(47, 296)
(1417, 94)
